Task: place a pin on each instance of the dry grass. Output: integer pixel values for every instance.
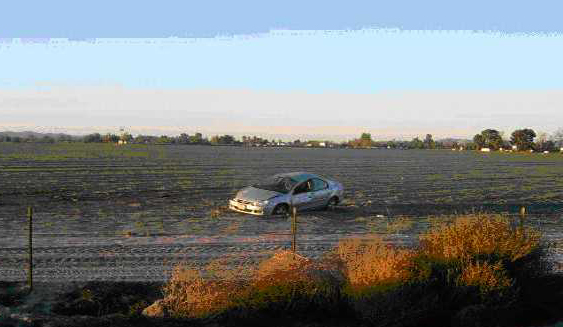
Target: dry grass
(473, 260)
(189, 294)
(369, 261)
(400, 224)
(290, 283)
(480, 235)
(489, 278)
(284, 282)
(282, 263)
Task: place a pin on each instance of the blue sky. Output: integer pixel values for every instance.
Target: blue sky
(471, 49)
(361, 61)
(165, 18)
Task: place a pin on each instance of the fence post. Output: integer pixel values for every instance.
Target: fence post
(30, 245)
(294, 229)
(522, 216)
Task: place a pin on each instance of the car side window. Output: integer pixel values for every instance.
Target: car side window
(319, 184)
(303, 187)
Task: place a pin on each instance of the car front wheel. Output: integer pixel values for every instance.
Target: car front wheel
(281, 210)
(332, 203)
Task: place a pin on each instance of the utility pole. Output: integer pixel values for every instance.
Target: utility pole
(294, 229)
(30, 245)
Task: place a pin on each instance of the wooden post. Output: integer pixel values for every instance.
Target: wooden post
(522, 216)
(30, 244)
(293, 229)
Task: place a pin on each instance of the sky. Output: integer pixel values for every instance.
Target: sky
(328, 69)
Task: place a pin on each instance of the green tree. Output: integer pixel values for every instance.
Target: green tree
(93, 138)
(365, 140)
(47, 139)
(226, 139)
(197, 138)
(558, 137)
(416, 143)
(183, 138)
(429, 142)
(163, 139)
(126, 137)
(489, 138)
(523, 139)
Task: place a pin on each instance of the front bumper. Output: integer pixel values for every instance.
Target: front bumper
(246, 208)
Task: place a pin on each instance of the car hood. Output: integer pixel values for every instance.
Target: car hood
(251, 193)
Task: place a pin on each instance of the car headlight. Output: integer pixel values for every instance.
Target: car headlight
(262, 203)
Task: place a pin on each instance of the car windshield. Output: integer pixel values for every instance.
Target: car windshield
(281, 184)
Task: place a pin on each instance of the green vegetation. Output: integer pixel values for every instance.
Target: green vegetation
(489, 138)
(523, 139)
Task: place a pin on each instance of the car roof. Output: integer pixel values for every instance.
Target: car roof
(299, 176)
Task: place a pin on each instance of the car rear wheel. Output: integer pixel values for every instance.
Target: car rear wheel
(281, 209)
(332, 203)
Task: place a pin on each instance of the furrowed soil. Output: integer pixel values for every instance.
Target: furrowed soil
(105, 212)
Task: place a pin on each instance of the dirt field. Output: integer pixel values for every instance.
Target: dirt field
(104, 212)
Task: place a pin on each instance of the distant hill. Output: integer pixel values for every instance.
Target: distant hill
(27, 134)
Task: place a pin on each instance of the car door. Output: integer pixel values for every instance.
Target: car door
(302, 196)
(320, 193)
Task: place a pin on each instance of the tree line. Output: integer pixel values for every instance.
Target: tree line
(520, 140)
(524, 139)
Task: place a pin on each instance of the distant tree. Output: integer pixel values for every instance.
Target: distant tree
(126, 137)
(16, 139)
(547, 145)
(416, 143)
(197, 138)
(110, 138)
(314, 143)
(493, 138)
(429, 142)
(2, 138)
(558, 137)
(523, 139)
(64, 138)
(92, 138)
(479, 141)
(489, 138)
(144, 139)
(47, 139)
(226, 139)
(183, 139)
(365, 140)
(8, 138)
(543, 143)
(163, 139)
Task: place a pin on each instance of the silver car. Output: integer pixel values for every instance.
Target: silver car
(277, 194)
